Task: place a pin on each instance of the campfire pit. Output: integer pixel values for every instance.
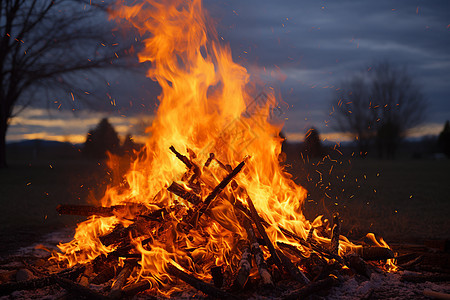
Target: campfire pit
(206, 201)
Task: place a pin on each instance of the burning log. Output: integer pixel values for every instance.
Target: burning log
(195, 217)
(185, 160)
(116, 290)
(182, 192)
(292, 269)
(209, 160)
(336, 231)
(258, 254)
(262, 231)
(281, 260)
(136, 288)
(245, 266)
(198, 284)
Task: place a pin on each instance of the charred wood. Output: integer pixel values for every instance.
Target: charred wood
(292, 269)
(336, 231)
(356, 263)
(262, 231)
(313, 287)
(105, 275)
(195, 217)
(200, 285)
(116, 289)
(245, 266)
(258, 255)
(136, 288)
(376, 253)
(182, 192)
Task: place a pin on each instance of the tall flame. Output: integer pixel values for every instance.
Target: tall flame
(204, 108)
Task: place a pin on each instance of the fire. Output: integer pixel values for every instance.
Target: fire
(205, 107)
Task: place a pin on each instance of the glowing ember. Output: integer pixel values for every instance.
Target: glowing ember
(204, 108)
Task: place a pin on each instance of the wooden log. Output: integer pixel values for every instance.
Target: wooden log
(136, 288)
(436, 295)
(105, 275)
(185, 160)
(121, 280)
(88, 210)
(356, 263)
(200, 285)
(33, 284)
(311, 288)
(258, 255)
(209, 160)
(182, 192)
(245, 266)
(262, 231)
(219, 188)
(281, 260)
(336, 231)
(376, 253)
(292, 269)
(78, 290)
(310, 237)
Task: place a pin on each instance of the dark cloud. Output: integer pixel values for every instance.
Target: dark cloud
(319, 43)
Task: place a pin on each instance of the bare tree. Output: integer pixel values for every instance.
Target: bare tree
(379, 106)
(47, 45)
(352, 111)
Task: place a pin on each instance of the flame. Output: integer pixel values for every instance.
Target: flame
(205, 107)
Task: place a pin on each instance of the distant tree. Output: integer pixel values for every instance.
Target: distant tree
(312, 146)
(129, 146)
(47, 45)
(381, 106)
(352, 111)
(101, 140)
(444, 139)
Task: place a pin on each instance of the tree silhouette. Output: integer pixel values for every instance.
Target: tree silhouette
(47, 45)
(444, 139)
(312, 146)
(380, 105)
(129, 146)
(101, 140)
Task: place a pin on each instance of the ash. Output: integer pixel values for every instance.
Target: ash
(385, 286)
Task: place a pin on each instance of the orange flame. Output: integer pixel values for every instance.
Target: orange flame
(204, 108)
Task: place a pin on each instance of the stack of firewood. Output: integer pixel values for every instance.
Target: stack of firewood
(312, 272)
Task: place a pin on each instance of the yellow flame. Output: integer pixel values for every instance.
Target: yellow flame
(204, 108)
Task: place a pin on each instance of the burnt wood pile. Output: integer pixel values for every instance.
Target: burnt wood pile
(265, 268)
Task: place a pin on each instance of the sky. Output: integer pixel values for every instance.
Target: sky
(304, 48)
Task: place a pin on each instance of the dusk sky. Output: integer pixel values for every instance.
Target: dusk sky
(309, 45)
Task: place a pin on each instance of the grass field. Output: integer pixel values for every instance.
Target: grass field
(404, 200)
(30, 192)
(401, 200)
